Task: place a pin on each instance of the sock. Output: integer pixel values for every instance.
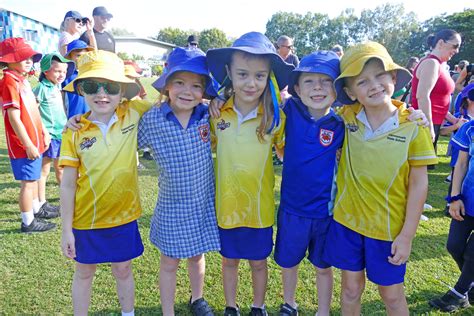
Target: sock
(261, 307)
(27, 217)
(132, 313)
(36, 205)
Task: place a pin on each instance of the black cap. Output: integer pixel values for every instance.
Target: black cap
(192, 39)
(101, 11)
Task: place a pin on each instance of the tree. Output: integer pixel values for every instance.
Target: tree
(116, 31)
(173, 35)
(212, 38)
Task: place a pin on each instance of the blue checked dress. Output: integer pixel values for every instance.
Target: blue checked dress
(184, 222)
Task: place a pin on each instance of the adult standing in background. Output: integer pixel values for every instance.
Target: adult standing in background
(432, 84)
(105, 40)
(192, 41)
(338, 50)
(285, 50)
(71, 29)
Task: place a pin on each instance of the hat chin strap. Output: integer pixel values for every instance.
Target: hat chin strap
(275, 92)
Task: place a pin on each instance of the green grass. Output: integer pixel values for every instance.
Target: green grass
(36, 279)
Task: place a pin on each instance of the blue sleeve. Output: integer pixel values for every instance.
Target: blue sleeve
(142, 133)
(463, 137)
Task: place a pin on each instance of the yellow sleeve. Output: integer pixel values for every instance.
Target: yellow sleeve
(141, 106)
(421, 151)
(68, 155)
(279, 137)
(212, 123)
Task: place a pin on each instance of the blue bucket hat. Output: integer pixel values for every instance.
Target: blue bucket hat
(190, 60)
(76, 45)
(253, 43)
(320, 62)
(467, 92)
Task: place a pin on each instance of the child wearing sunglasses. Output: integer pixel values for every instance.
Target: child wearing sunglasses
(99, 191)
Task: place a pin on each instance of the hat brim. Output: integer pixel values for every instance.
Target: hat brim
(131, 87)
(218, 58)
(403, 76)
(16, 58)
(68, 53)
(319, 69)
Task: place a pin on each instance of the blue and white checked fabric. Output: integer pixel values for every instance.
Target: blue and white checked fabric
(184, 222)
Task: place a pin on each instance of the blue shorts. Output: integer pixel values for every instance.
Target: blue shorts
(25, 169)
(352, 251)
(53, 149)
(246, 243)
(296, 235)
(115, 244)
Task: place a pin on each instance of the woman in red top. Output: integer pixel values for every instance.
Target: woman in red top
(432, 85)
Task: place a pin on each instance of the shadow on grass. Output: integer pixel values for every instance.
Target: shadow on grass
(180, 309)
(10, 231)
(428, 247)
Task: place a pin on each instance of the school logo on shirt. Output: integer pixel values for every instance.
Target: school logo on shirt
(204, 132)
(326, 137)
(352, 127)
(222, 125)
(87, 142)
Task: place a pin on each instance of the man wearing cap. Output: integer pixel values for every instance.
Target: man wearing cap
(192, 41)
(105, 40)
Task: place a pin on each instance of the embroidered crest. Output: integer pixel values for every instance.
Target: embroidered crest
(204, 132)
(352, 127)
(222, 125)
(326, 137)
(87, 142)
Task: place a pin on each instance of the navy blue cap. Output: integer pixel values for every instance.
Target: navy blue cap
(321, 62)
(73, 14)
(190, 60)
(101, 11)
(253, 43)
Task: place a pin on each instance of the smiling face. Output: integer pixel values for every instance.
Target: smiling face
(101, 102)
(185, 91)
(373, 87)
(450, 47)
(249, 76)
(73, 25)
(316, 91)
(57, 72)
(23, 67)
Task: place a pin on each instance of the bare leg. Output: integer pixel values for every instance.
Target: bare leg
(324, 284)
(26, 197)
(122, 272)
(168, 268)
(58, 171)
(353, 284)
(230, 269)
(81, 288)
(394, 299)
(289, 279)
(196, 270)
(259, 279)
(45, 168)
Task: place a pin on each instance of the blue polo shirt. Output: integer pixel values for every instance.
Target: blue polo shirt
(455, 149)
(464, 138)
(310, 160)
(74, 103)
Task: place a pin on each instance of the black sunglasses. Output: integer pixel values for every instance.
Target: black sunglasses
(92, 87)
(455, 46)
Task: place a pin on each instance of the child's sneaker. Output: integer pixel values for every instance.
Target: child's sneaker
(200, 308)
(256, 311)
(287, 310)
(48, 211)
(231, 311)
(36, 226)
(449, 302)
(470, 296)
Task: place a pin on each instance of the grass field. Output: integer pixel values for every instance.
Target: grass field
(35, 279)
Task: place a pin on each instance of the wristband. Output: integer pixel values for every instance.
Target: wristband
(451, 199)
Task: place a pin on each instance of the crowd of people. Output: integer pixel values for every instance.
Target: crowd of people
(354, 175)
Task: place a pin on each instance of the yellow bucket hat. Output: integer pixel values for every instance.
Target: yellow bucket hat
(104, 65)
(354, 61)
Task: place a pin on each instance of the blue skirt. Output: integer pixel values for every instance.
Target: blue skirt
(115, 244)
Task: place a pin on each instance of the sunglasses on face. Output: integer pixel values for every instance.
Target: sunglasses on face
(92, 87)
(289, 46)
(79, 21)
(455, 46)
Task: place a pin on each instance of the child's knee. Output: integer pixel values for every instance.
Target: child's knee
(324, 272)
(258, 265)
(230, 263)
(85, 271)
(169, 265)
(393, 296)
(196, 259)
(122, 270)
(352, 291)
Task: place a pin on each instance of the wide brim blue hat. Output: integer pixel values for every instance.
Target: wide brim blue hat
(253, 43)
(190, 60)
(320, 62)
(76, 45)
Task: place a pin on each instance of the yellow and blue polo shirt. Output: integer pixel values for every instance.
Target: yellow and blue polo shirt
(244, 169)
(107, 184)
(372, 180)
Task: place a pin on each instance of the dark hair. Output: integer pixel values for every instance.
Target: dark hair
(445, 35)
(412, 62)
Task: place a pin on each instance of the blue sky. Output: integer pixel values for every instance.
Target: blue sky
(145, 18)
